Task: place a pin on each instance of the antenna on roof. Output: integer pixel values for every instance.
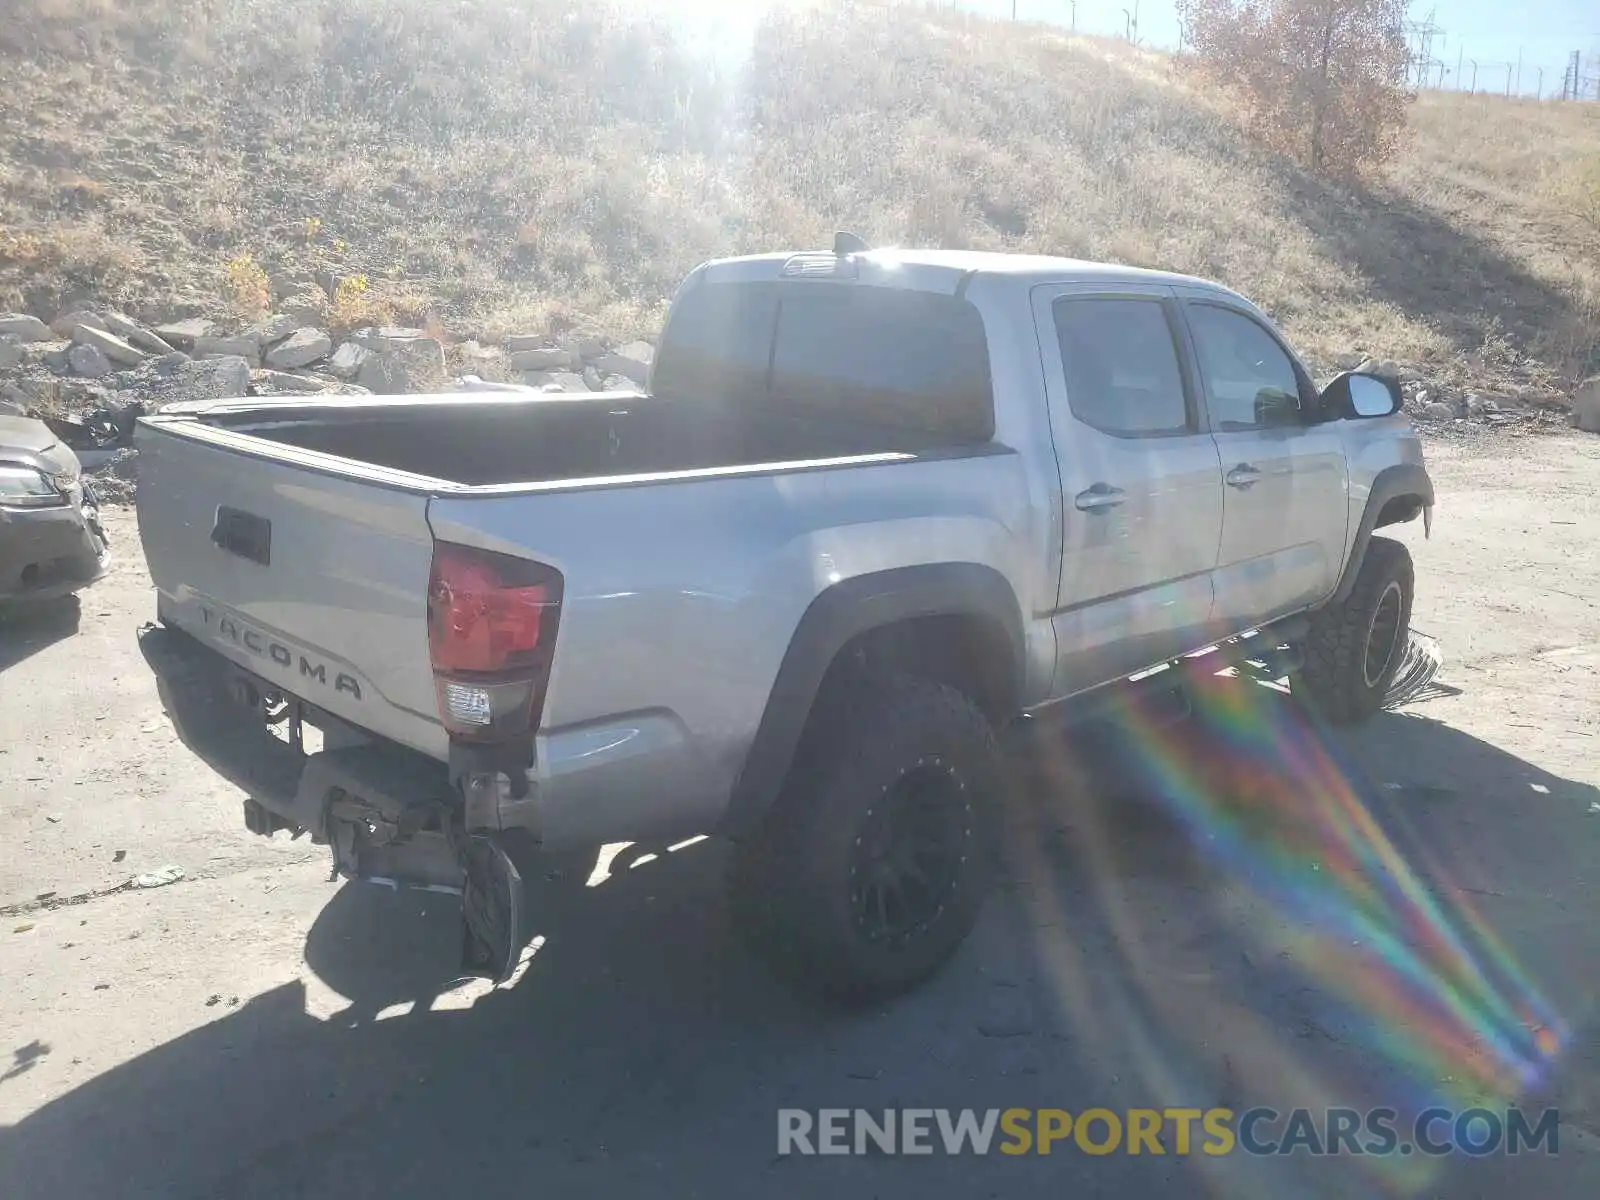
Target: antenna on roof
(845, 244)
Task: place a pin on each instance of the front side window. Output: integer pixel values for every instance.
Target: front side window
(1250, 381)
(1121, 365)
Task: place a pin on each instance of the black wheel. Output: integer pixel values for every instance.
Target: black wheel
(876, 861)
(1354, 649)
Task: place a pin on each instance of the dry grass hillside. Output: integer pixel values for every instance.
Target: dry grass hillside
(558, 164)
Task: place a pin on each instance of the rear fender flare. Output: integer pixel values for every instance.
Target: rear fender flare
(836, 616)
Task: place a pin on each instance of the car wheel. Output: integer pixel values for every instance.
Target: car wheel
(1354, 649)
(875, 864)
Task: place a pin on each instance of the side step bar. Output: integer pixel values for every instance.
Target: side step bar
(1264, 654)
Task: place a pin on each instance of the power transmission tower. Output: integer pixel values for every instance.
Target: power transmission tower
(1421, 34)
(1571, 79)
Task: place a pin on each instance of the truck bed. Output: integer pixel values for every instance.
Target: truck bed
(495, 439)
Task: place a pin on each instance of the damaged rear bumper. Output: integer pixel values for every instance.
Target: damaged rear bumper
(388, 814)
(383, 808)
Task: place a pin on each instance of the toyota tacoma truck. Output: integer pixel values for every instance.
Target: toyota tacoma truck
(875, 506)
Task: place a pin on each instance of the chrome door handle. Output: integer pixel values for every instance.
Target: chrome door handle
(1242, 476)
(1100, 496)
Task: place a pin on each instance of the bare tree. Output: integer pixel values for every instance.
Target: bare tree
(1323, 80)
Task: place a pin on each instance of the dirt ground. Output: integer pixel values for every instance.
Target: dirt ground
(1244, 911)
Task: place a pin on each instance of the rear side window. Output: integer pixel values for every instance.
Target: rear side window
(908, 360)
(718, 343)
(1121, 366)
(899, 359)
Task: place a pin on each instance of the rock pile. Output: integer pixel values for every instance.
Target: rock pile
(98, 362)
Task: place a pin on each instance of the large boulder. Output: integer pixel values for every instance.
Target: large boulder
(109, 344)
(387, 337)
(135, 334)
(24, 328)
(400, 363)
(274, 329)
(309, 307)
(282, 383)
(89, 361)
(238, 346)
(67, 322)
(537, 358)
(632, 360)
(1586, 405)
(176, 379)
(10, 351)
(299, 349)
(184, 334)
(347, 359)
(57, 357)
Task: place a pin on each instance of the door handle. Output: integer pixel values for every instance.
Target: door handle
(244, 534)
(1242, 477)
(1099, 497)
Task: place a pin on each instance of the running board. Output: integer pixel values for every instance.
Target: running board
(1266, 654)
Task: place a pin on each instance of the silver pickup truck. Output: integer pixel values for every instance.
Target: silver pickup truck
(875, 506)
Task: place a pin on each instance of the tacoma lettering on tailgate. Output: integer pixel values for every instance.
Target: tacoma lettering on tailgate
(262, 646)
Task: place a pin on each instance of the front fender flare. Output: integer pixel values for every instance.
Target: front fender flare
(1402, 479)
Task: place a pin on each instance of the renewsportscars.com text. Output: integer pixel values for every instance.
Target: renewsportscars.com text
(1159, 1131)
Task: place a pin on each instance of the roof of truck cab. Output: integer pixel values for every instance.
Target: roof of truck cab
(1035, 268)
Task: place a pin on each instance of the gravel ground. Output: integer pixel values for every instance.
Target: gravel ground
(1416, 924)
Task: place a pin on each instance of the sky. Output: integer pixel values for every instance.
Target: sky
(1544, 32)
(1495, 32)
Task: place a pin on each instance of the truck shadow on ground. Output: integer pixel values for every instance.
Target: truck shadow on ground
(26, 629)
(1171, 933)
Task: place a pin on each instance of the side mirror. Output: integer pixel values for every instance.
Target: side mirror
(1353, 395)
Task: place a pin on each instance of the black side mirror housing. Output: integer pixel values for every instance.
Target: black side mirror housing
(1275, 408)
(1355, 395)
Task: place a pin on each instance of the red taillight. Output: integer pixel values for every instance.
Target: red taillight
(491, 626)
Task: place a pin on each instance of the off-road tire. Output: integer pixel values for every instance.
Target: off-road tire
(1337, 680)
(794, 887)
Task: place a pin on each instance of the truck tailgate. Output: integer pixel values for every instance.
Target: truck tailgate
(314, 581)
